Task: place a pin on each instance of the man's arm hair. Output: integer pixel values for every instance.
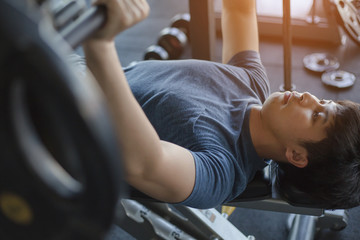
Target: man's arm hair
(239, 27)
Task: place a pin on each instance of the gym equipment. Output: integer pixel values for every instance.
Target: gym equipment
(65, 11)
(83, 26)
(182, 22)
(203, 29)
(329, 65)
(338, 78)
(60, 169)
(173, 40)
(162, 227)
(319, 24)
(348, 15)
(266, 192)
(287, 42)
(321, 62)
(179, 222)
(155, 52)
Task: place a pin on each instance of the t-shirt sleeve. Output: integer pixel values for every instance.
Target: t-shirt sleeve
(214, 180)
(250, 61)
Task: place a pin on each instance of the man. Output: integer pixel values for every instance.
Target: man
(195, 132)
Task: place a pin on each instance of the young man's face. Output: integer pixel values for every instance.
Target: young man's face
(293, 116)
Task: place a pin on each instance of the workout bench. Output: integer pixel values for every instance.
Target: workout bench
(263, 193)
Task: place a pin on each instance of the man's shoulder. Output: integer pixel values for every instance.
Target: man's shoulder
(242, 59)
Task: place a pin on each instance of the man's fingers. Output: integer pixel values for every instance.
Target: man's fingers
(143, 8)
(98, 2)
(121, 14)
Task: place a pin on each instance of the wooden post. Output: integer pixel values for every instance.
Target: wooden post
(202, 29)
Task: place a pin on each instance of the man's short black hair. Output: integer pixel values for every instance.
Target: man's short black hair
(333, 172)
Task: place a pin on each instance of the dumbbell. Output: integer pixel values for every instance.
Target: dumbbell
(170, 45)
(175, 38)
(66, 11)
(155, 52)
(172, 40)
(182, 22)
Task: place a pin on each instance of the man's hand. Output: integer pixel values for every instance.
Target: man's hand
(121, 14)
(239, 5)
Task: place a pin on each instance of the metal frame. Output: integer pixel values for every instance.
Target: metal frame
(203, 24)
(170, 225)
(181, 222)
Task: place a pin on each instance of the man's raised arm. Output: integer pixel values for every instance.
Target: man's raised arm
(239, 27)
(160, 169)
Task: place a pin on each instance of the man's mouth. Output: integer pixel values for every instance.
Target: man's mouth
(287, 96)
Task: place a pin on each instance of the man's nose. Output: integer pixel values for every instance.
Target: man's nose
(308, 99)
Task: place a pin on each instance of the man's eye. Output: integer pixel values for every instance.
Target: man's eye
(315, 114)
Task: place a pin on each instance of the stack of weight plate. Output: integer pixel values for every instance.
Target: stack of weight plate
(328, 66)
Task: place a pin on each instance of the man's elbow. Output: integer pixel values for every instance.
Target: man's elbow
(140, 169)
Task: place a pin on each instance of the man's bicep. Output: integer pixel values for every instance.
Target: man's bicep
(172, 179)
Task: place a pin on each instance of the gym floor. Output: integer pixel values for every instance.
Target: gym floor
(264, 225)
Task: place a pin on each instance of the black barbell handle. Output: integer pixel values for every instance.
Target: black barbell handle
(84, 26)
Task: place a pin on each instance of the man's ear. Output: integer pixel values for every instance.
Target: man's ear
(297, 157)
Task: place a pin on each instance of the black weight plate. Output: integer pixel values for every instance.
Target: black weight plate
(182, 22)
(173, 40)
(69, 141)
(320, 62)
(339, 79)
(155, 52)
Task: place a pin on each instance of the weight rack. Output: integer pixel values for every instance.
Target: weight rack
(204, 38)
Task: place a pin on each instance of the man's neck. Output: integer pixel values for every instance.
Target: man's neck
(266, 145)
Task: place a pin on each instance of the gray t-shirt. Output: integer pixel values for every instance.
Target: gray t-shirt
(204, 107)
